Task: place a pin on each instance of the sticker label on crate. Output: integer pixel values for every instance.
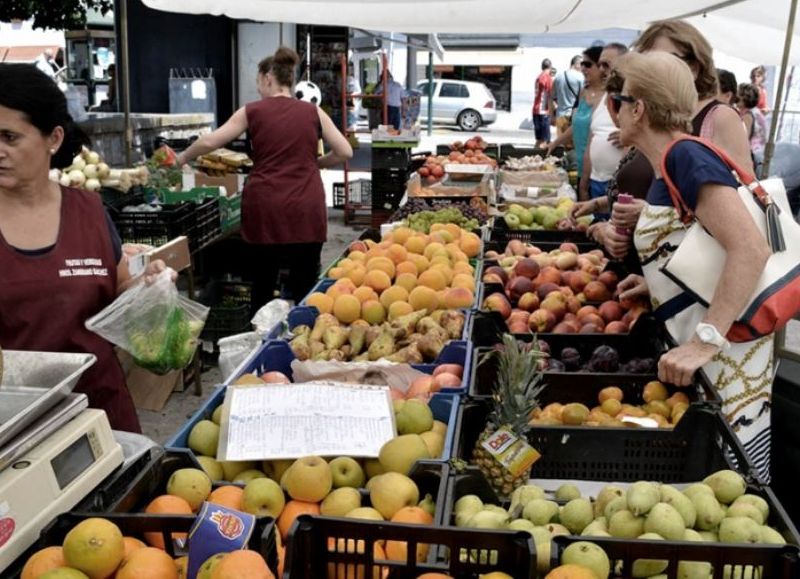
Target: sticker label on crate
(512, 452)
(321, 418)
(217, 529)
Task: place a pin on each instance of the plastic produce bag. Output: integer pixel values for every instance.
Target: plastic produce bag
(154, 324)
(234, 350)
(269, 317)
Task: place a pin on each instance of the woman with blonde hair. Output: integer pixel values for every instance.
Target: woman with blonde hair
(656, 106)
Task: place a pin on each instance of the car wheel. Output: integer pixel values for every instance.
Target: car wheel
(469, 120)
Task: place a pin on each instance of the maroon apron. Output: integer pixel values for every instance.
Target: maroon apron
(45, 300)
(283, 199)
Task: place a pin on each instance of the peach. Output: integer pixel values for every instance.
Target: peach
(593, 319)
(586, 310)
(571, 247)
(399, 309)
(432, 278)
(497, 302)
(406, 266)
(590, 329)
(322, 302)
(518, 327)
(491, 254)
(515, 247)
(365, 293)
(609, 279)
(596, 292)
(424, 298)
(358, 246)
(616, 328)
(456, 369)
(611, 311)
(518, 316)
(422, 387)
(378, 280)
(564, 328)
(393, 294)
(463, 280)
(492, 278)
(416, 244)
(470, 244)
(573, 304)
(458, 297)
(578, 280)
(347, 308)
(446, 380)
(526, 268)
(546, 289)
(528, 301)
(543, 259)
(373, 312)
(407, 281)
(498, 271)
(518, 286)
(542, 321)
(550, 274)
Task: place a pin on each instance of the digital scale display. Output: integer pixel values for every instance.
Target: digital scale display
(72, 461)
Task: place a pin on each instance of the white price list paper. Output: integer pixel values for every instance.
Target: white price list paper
(294, 420)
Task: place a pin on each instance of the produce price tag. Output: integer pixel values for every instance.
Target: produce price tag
(512, 452)
(294, 420)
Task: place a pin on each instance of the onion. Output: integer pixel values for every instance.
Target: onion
(92, 158)
(54, 175)
(64, 180)
(76, 178)
(92, 185)
(90, 171)
(103, 170)
(78, 163)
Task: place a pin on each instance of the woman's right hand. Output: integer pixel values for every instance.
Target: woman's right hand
(581, 208)
(617, 244)
(632, 286)
(626, 215)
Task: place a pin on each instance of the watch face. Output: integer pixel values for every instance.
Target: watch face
(706, 334)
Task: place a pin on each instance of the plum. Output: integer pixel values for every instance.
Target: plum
(571, 358)
(604, 359)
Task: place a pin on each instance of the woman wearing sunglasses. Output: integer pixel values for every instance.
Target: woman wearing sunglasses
(656, 105)
(578, 132)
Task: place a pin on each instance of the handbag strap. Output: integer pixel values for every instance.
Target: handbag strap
(747, 179)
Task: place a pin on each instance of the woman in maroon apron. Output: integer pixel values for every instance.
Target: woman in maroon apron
(283, 205)
(60, 256)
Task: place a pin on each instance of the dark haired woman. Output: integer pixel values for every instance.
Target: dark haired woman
(283, 205)
(755, 123)
(60, 255)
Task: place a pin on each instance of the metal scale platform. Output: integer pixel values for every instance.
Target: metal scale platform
(54, 450)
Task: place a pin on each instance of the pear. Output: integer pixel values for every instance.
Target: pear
(405, 325)
(335, 337)
(357, 338)
(540, 511)
(709, 513)
(587, 555)
(617, 504)
(597, 528)
(522, 496)
(625, 525)
(468, 502)
(340, 502)
(756, 501)
(745, 510)
(322, 323)
(556, 529)
(414, 417)
(649, 567)
(567, 492)
(576, 515)
(488, 520)
(672, 496)
(391, 492)
(698, 488)
(383, 346)
(496, 509)
(666, 521)
(527, 526)
(604, 497)
(709, 536)
(739, 530)
(301, 347)
(428, 505)
(400, 453)
(770, 536)
(642, 496)
(727, 485)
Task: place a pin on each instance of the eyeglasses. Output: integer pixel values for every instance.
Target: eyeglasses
(617, 99)
(587, 64)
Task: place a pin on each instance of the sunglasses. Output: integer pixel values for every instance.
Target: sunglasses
(587, 64)
(617, 99)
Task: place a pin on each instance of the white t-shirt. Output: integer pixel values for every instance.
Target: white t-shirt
(604, 155)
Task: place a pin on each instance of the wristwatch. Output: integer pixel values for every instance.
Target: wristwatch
(708, 334)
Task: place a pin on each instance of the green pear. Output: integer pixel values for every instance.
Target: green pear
(540, 511)
(617, 504)
(567, 492)
(709, 536)
(625, 525)
(770, 536)
(587, 555)
(400, 453)
(739, 530)
(745, 510)
(576, 515)
(522, 496)
(709, 513)
(693, 569)
(649, 567)
(727, 485)
(604, 497)
(191, 484)
(468, 502)
(204, 437)
(414, 417)
(681, 503)
(525, 525)
(756, 501)
(597, 528)
(488, 520)
(642, 496)
(666, 521)
(698, 488)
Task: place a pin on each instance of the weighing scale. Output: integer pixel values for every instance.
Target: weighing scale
(49, 468)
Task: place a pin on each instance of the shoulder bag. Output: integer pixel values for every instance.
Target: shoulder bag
(697, 264)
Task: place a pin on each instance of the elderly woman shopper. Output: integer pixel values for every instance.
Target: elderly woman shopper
(43, 228)
(656, 107)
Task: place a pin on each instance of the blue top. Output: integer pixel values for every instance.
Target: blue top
(581, 123)
(567, 86)
(690, 165)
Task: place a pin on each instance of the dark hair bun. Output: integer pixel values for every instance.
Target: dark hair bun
(74, 140)
(285, 56)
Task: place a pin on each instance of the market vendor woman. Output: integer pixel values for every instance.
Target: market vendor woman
(283, 205)
(61, 259)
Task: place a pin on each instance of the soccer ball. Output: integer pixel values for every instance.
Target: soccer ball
(306, 90)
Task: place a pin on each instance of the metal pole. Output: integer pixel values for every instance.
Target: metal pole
(430, 93)
(773, 128)
(126, 82)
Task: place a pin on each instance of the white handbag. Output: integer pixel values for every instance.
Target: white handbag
(697, 264)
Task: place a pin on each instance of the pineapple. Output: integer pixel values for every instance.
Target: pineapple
(515, 398)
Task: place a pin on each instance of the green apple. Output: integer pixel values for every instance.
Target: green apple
(512, 220)
(246, 476)
(263, 497)
(526, 217)
(347, 472)
(191, 484)
(391, 492)
(204, 437)
(212, 467)
(308, 479)
(340, 502)
(274, 469)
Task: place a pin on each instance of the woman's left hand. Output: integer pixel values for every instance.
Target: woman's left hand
(154, 268)
(679, 364)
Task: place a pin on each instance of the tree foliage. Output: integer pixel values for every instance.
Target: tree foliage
(54, 14)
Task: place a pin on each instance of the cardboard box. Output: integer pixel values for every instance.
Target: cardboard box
(175, 254)
(149, 391)
(232, 184)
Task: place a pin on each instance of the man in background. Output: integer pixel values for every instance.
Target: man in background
(567, 86)
(46, 62)
(394, 100)
(541, 105)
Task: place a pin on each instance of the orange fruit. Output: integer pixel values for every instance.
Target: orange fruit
(131, 544)
(147, 563)
(365, 294)
(244, 564)
(378, 280)
(322, 302)
(570, 572)
(291, 511)
(228, 496)
(347, 308)
(384, 264)
(166, 505)
(393, 294)
(432, 278)
(398, 550)
(42, 561)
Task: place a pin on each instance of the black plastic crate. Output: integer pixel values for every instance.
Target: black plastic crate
(230, 309)
(360, 193)
(208, 224)
(153, 227)
(773, 561)
(502, 234)
(135, 525)
(390, 158)
(326, 546)
(700, 444)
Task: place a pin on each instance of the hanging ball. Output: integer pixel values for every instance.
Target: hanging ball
(306, 90)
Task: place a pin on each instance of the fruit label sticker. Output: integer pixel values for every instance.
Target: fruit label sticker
(7, 524)
(217, 529)
(512, 452)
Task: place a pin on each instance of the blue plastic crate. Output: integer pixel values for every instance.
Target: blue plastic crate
(307, 315)
(444, 407)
